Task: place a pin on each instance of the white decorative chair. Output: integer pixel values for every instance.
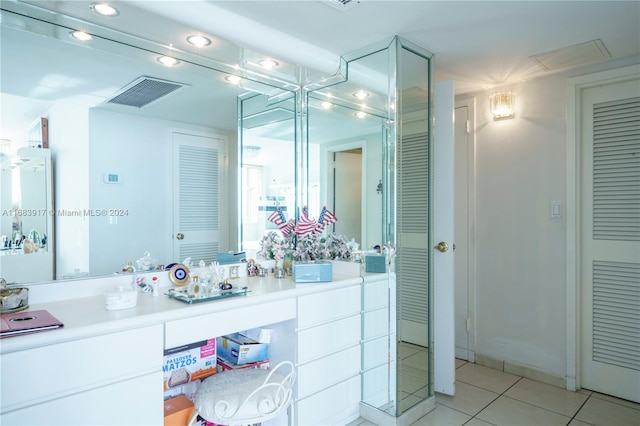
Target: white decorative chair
(246, 396)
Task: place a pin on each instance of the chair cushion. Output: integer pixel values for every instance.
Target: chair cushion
(222, 398)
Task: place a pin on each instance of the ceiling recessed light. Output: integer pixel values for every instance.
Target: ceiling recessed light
(233, 79)
(326, 104)
(81, 35)
(104, 9)
(268, 63)
(360, 114)
(198, 40)
(361, 94)
(168, 61)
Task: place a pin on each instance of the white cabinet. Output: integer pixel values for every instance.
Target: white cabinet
(103, 376)
(114, 377)
(328, 357)
(136, 401)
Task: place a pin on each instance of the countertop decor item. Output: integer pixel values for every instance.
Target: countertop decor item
(14, 299)
(179, 274)
(183, 295)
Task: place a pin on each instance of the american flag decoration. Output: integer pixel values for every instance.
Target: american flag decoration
(277, 216)
(305, 225)
(326, 218)
(286, 228)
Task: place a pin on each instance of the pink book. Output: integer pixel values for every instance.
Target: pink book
(27, 322)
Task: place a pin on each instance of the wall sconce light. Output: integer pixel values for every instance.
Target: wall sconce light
(503, 105)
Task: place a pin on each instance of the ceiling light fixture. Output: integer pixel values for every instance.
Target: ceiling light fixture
(361, 94)
(198, 40)
(503, 105)
(326, 104)
(233, 79)
(360, 114)
(268, 63)
(81, 35)
(168, 61)
(250, 152)
(104, 9)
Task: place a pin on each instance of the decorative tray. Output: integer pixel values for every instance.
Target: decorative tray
(183, 295)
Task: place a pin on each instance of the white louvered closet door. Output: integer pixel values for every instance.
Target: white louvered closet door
(610, 249)
(198, 197)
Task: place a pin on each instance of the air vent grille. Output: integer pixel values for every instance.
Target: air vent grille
(145, 91)
(342, 4)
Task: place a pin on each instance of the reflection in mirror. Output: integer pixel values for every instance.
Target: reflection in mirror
(349, 144)
(347, 130)
(268, 166)
(413, 225)
(115, 195)
(26, 224)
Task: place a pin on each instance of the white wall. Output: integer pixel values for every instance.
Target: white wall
(69, 144)
(139, 150)
(520, 269)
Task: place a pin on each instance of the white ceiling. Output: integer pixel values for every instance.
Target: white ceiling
(478, 44)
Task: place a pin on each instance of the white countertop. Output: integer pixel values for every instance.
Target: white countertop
(86, 316)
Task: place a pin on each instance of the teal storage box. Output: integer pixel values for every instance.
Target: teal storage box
(375, 263)
(312, 272)
(230, 257)
(240, 349)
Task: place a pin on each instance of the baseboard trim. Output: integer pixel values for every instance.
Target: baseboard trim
(407, 418)
(521, 370)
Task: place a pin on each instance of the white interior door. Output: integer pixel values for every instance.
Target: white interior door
(347, 199)
(610, 249)
(443, 286)
(198, 197)
(463, 169)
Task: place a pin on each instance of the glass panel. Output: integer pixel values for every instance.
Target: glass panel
(390, 84)
(413, 207)
(268, 166)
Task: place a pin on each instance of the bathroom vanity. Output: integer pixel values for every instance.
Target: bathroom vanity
(105, 367)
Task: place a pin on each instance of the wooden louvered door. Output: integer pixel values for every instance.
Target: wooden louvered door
(610, 248)
(198, 197)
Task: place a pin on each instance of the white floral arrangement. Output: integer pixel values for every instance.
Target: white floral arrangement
(305, 235)
(274, 246)
(338, 247)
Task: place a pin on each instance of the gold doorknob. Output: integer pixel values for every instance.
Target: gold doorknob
(442, 246)
(180, 236)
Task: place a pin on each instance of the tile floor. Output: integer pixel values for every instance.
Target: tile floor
(490, 397)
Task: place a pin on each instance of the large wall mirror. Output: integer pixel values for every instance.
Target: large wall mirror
(347, 131)
(268, 165)
(117, 188)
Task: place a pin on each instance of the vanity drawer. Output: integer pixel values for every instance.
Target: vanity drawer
(204, 327)
(376, 295)
(36, 375)
(313, 377)
(326, 339)
(327, 306)
(137, 401)
(337, 405)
